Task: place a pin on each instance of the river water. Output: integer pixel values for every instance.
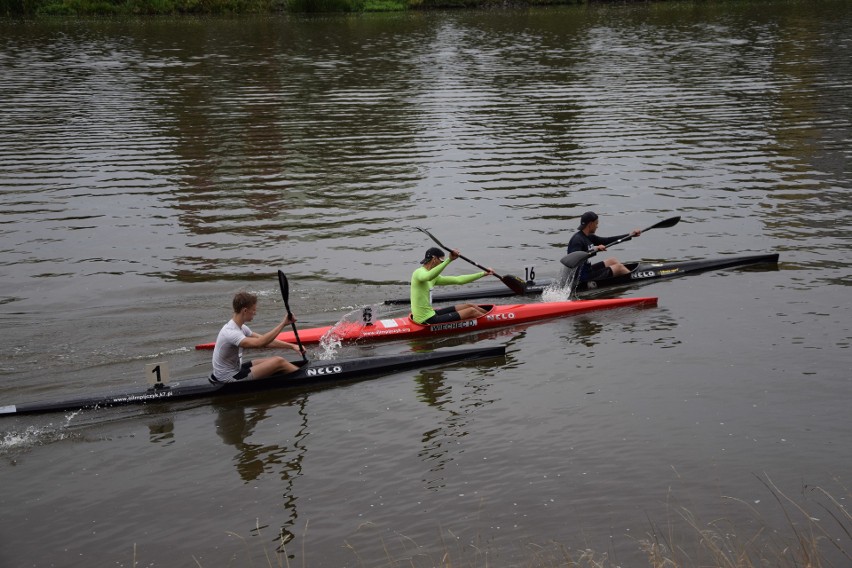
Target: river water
(150, 168)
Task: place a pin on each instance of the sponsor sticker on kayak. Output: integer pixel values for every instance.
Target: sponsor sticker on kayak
(389, 323)
(453, 325)
(643, 274)
(150, 395)
(329, 370)
(381, 332)
(500, 317)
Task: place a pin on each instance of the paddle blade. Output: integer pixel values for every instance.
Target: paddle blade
(671, 222)
(431, 236)
(285, 289)
(575, 259)
(285, 295)
(515, 284)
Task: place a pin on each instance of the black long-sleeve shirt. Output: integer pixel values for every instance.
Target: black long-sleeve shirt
(587, 243)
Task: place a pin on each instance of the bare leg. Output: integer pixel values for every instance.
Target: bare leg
(467, 311)
(617, 268)
(261, 368)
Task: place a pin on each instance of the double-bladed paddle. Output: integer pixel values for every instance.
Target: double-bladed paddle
(578, 257)
(513, 282)
(285, 294)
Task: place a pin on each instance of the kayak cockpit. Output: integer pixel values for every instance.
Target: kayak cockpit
(487, 307)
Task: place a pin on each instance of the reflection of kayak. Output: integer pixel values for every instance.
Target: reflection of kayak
(497, 316)
(310, 374)
(639, 272)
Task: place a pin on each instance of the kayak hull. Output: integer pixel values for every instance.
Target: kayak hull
(310, 374)
(497, 316)
(640, 272)
(646, 271)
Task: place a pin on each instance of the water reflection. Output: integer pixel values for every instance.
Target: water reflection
(235, 425)
(162, 431)
(586, 330)
(505, 335)
(247, 150)
(456, 403)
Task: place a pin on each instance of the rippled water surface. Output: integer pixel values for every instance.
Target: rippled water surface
(151, 168)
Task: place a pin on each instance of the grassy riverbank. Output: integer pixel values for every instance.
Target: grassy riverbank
(224, 7)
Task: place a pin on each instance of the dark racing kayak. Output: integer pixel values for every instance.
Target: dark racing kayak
(639, 272)
(311, 373)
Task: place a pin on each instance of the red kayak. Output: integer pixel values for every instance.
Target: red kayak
(499, 315)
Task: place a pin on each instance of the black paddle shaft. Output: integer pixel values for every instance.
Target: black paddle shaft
(285, 295)
(513, 282)
(670, 222)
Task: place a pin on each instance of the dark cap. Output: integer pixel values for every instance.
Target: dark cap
(587, 218)
(433, 252)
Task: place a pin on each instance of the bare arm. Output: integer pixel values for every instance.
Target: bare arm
(256, 341)
(284, 345)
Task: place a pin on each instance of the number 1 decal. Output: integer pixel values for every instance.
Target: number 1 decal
(157, 374)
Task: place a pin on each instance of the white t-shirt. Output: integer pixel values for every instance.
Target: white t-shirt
(228, 355)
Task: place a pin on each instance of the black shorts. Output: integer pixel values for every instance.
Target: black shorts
(243, 373)
(444, 315)
(599, 271)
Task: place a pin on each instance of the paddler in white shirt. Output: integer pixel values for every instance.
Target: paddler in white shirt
(228, 364)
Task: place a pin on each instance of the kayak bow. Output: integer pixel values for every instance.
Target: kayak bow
(496, 316)
(311, 373)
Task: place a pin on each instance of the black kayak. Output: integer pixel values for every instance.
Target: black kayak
(639, 272)
(311, 373)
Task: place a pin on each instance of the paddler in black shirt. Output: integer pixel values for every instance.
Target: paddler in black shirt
(586, 240)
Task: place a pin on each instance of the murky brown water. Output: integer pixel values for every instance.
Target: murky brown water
(150, 168)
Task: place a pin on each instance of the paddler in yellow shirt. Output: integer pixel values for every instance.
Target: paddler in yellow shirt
(427, 277)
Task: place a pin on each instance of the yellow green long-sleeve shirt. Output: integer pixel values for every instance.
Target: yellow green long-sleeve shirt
(422, 282)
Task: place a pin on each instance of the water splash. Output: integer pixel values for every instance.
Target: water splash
(331, 342)
(564, 288)
(15, 441)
